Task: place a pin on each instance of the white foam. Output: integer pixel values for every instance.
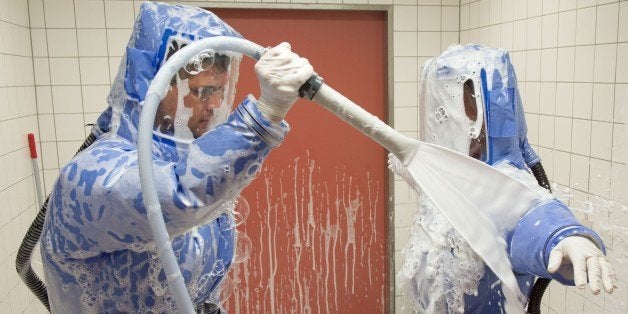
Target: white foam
(476, 210)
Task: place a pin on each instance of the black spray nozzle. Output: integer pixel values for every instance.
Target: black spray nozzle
(541, 177)
(310, 87)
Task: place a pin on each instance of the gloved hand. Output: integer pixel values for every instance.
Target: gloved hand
(280, 73)
(587, 260)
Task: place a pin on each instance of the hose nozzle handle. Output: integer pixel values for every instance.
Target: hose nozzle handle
(309, 89)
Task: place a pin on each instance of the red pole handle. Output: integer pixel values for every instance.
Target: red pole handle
(32, 146)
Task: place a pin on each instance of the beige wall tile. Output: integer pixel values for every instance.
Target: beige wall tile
(548, 98)
(600, 182)
(621, 75)
(69, 127)
(59, 13)
(64, 71)
(579, 179)
(620, 143)
(406, 69)
(36, 13)
(601, 139)
(549, 26)
(119, 14)
(92, 42)
(94, 98)
(584, 62)
(533, 65)
(450, 19)
(38, 38)
(405, 44)
(117, 40)
(623, 22)
(535, 8)
(62, 42)
(548, 64)
(533, 33)
(546, 131)
(604, 67)
(67, 99)
(581, 137)
(564, 99)
(90, 14)
(562, 167)
(566, 28)
(603, 98)
(405, 18)
(607, 23)
(94, 70)
(585, 26)
(429, 18)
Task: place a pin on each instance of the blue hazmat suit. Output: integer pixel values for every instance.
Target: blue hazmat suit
(96, 246)
(470, 103)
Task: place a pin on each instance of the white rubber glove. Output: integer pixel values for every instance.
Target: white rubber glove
(280, 73)
(587, 261)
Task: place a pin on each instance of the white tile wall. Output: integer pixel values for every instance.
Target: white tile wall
(582, 100)
(565, 64)
(18, 116)
(607, 23)
(64, 71)
(585, 56)
(94, 70)
(532, 97)
(603, 100)
(605, 63)
(570, 57)
(66, 99)
(92, 42)
(621, 74)
(90, 14)
(548, 64)
(585, 89)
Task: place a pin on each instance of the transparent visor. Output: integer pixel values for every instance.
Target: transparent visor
(200, 96)
(477, 132)
(455, 116)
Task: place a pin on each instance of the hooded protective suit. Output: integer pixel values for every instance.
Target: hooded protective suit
(470, 103)
(96, 245)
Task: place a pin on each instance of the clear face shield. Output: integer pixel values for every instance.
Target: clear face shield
(200, 95)
(453, 111)
(470, 103)
(474, 110)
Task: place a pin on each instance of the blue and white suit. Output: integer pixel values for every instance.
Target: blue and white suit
(448, 121)
(96, 245)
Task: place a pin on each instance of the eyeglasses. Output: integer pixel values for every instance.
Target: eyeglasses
(205, 93)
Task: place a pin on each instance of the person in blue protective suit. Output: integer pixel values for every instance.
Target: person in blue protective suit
(96, 246)
(470, 103)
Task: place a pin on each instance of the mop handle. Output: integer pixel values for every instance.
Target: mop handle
(32, 146)
(33, 149)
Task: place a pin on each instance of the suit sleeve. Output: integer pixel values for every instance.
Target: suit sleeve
(538, 232)
(97, 202)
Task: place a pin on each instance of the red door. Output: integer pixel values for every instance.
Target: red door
(318, 209)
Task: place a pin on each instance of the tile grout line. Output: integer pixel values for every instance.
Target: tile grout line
(54, 123)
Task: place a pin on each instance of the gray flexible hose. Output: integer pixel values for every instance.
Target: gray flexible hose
(155, 93)
(400, 145)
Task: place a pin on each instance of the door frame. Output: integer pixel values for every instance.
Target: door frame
(388, 9)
